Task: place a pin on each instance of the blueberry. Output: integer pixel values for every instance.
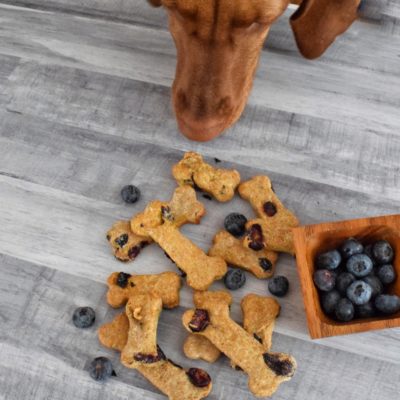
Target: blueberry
(278, 285)
(329, 260)
(101, 369)
(359, 292)
(366, 310)
(329, 300)
(130, 194)
(387, 304)
(344, 310)
(350, 247)
(234, 279)
(235, 223)
(375, 284)
(343, 281)
(383, 252)
(324, 279)
(386, 274)
(83, 317)
(359, 265)
(368, 252)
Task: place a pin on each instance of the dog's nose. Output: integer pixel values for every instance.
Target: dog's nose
(202, 117)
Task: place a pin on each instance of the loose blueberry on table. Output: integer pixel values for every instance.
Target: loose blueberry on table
(235, 279)
(353, 280)
(278, 286)
(235, 223)
(130, 194)
(83, 317)
(101, 369)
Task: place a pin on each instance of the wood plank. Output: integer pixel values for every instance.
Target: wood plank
(346, 155)
(37, 331)
(141, 12)
(65, 231)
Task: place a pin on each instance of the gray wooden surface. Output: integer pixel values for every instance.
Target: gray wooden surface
(85, 109)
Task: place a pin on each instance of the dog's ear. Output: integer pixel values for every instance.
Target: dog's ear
(316, 23)
(155, 3)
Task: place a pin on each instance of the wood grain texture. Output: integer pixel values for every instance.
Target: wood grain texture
(37, 330)
(85, 109)
(282, 138)
(73, 213)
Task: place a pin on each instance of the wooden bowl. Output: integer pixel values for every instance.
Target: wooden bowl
(313, 239)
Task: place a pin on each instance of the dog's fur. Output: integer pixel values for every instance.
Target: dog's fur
(219, 44)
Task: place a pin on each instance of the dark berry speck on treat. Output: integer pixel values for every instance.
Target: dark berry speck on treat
(234, 279)
(130, 194)
(122, 279)
(83, 317)
(278, 286)
(235, 223)
(265, 264)
(270, 209)
(198, 377)
(101, 369)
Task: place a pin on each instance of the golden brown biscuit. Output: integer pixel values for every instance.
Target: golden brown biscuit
(259, 263)
(182, 209)
(211, 319)
(198, 347)
(259, 193)
(125, 244)
(201, 270)
(275, 219)
(259, 314)
(122, 286)
(174, 381)
(143, 312)
(220, 183)
(262, 235)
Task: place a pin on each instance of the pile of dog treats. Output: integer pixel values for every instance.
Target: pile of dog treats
(251, 246)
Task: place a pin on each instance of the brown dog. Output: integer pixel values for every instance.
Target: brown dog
(219, 44)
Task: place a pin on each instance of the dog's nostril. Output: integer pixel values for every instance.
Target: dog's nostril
(224, 106)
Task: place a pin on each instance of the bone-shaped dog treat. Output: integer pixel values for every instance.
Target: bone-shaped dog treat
(183, 208)
(211, 319)
(220, 183)
(174, 381)
(122, 286)
(259, 314)
(259, 193)
(201, 270)
(125, 244)
(259, 263)
(262, 235)
(143, 312)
